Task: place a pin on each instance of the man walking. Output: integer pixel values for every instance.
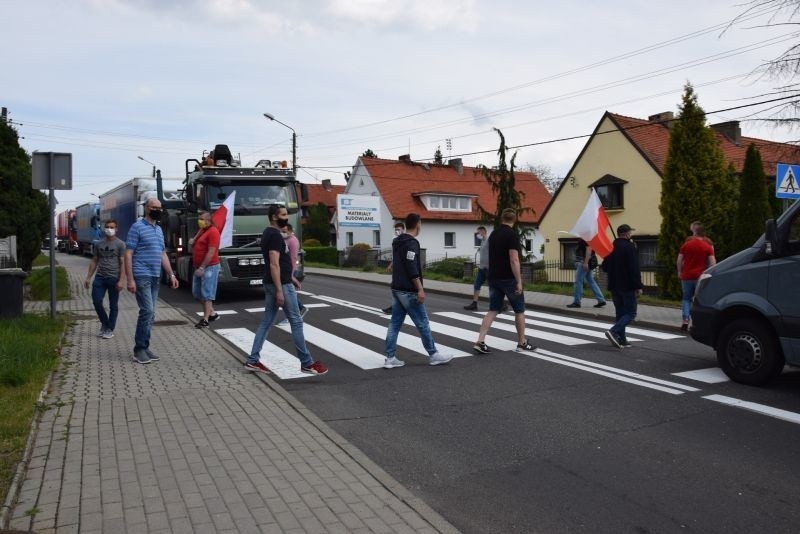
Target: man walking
(205, 258)
(695, 256)
(108, 259)
(294, 252)
(624, 282)
(505, 281)
(279, 292)
(483, 268)
(145, 255)
(585, 263)
(408, 295)
(399, 228)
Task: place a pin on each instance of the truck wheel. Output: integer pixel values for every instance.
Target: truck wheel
(748, 352)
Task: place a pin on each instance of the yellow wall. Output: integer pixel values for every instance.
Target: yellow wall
(613, 154)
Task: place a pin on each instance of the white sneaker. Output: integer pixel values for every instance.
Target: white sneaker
(108, 334)
(393, 362)
(437, 358)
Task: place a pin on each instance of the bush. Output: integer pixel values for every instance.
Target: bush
(358, 255)
(452, 267)
(317, 254)
(311, 242)
(39, 283)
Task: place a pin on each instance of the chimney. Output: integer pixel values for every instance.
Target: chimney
(665, 118)
(4, 115)
(731, 130)
(326, 184)
(405, 158)
(457, 164)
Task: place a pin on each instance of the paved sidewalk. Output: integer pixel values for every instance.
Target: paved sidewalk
(191, 443)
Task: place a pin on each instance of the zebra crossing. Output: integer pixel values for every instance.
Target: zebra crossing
(451, 331)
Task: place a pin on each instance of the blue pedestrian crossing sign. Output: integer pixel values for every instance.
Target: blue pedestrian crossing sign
(786, 185)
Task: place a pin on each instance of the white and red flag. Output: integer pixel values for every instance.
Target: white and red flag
(223, 220)
(593, 226)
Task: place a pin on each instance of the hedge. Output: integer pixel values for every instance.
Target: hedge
(326, 255)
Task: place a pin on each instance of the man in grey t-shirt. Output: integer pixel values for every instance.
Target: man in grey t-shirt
(108, 257)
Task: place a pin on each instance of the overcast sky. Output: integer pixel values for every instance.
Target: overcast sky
(110, 80)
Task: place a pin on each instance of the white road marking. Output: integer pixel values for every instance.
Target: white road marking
(222, 312)
(712, 375)
(403, 340)
(282, 364)
(763, 409)
(255, 310)
(347, 350)
(497, 344)
(601, 324)
(562, 328)
(348, 304)
(313, 305)
(535, 334)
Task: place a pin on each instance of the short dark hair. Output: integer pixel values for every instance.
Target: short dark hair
(273, 210)
(111, 221)
(412, 221)
(482, 228)
(508, 215)
(399, 224)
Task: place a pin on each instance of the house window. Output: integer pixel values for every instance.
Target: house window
(376, 238)
(568, 249)
(528, 244)
(611, 196)
(449, 239)
(647, 247)
(433, 202)
(447, 203)
(349, 239)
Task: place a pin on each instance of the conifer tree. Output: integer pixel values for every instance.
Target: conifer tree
(318, 224)
(753, 202)
(697, 185)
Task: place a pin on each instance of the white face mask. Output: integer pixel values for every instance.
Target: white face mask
(397, 232)
(110, 231)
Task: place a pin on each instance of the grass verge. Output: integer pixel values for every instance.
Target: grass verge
(42, 260)
(39, 283)
(29, 350)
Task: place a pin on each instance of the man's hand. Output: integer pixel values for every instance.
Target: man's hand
(132, 286)
(518, 287)
(279, 300)
(120, 287)
(173, 282)
(421, 296)
(86, 283)
(199, 272)
(296, 283)
(638, 292)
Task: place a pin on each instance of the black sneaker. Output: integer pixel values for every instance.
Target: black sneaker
(612, 337)
(524, 346)
(481, 348)
(574, 305)
(202, 323)
(625, 344)
(472, 306)
(387, 311)
(600, 304)
(212, 318)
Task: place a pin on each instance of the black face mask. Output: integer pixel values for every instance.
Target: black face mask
(155, 215)
(282, 222)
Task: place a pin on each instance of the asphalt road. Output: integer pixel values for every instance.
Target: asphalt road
(578, 437)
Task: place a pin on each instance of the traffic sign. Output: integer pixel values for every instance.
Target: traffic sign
(786, 185)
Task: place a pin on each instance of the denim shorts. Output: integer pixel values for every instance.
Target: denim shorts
(205, 287)
(500, 289)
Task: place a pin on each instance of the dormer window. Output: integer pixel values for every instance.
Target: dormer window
(610, 190)
(445, 202)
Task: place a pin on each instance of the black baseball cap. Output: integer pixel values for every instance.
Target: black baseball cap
(624, 229)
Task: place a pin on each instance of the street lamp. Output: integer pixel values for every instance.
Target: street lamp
(151, 163)
(294, 141)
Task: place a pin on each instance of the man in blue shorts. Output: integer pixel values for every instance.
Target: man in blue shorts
(505, 281)
(205, 257)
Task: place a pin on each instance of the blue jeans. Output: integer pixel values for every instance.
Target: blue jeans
(204, 288)
(100, 285)
(625, 304)
(688, 287)
(480, 278)
(146, 297)
(405, 303)
(292, 311)
(582, 274)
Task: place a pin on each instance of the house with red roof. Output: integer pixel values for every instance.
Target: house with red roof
(623, 161)
(446, 196)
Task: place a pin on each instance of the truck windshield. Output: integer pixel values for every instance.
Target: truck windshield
(252, 199)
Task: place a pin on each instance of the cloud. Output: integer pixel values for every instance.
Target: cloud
(430, 16)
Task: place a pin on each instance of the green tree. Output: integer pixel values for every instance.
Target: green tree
(437, 156)
(317, 224)
(753, 206)
(24, 211)
(503, 183)
(368, 153)
(697, 185)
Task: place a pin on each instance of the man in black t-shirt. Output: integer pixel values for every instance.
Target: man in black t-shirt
(279, 292)
(505, 281)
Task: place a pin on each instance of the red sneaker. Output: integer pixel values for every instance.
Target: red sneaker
(257, 367)
(316, 368)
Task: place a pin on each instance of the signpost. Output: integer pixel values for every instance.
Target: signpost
(52, 170)
(786, 184)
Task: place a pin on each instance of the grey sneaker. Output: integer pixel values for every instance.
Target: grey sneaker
(437, 358)
(140, 356)
(393, 362)
(101, 332)
(481, 348)
(107, 334)
(152, 355)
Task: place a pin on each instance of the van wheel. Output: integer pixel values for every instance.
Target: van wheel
(748, 352)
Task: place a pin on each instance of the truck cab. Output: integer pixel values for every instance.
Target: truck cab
(747, 307)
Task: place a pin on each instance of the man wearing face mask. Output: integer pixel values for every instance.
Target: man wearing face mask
(205, 258)
(108, 260)
(145, 255)
(280, 287)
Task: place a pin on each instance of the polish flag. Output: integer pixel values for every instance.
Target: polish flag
(593, 225)
(223, 220)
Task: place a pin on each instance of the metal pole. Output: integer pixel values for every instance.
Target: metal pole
(52, 248)
(294, 153)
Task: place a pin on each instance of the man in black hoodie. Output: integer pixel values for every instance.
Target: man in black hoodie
(624, 282)
(408, 295)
